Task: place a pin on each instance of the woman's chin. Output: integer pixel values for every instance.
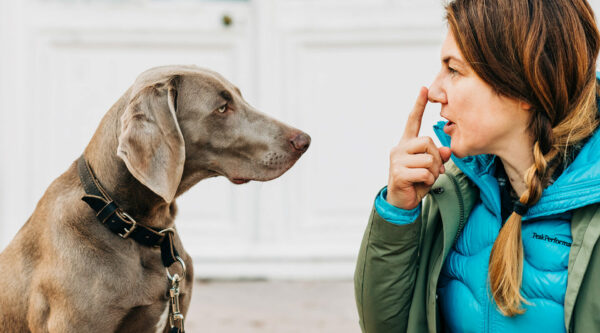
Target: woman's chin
(456, 151)
(458, 155)
(462, 152)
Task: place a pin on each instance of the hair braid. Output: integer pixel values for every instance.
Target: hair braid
(505, 275)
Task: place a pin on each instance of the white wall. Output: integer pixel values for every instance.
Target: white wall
(346, 72)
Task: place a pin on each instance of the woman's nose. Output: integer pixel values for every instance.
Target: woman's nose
(436, 92)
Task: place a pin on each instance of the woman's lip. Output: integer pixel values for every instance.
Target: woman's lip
(448, 119)
(449, 127)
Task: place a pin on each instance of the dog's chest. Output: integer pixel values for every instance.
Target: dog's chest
(150, 291)
(153, 317)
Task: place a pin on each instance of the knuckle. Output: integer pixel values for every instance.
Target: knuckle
(431, 179)
(397, 161)
(419, 141)
(423, 174)
(396, 172)
(397, 149)
(428, 160)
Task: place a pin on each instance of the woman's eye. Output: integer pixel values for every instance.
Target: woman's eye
(452, 71)
(222, 109)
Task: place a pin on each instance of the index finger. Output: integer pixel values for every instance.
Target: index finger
(413, 123)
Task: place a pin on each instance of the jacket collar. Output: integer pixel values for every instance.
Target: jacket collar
(574, 188)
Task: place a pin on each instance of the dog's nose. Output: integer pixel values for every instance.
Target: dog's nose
(301, 142)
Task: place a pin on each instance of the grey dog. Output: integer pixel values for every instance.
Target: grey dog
(66, 272)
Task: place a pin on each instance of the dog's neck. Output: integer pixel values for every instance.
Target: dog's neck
(133, 197)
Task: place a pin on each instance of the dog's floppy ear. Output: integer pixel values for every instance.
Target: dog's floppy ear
(151, 143)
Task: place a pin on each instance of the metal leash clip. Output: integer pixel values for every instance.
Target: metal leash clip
(175, 316)
(183, 271)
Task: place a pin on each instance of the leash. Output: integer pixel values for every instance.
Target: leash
(125, 226)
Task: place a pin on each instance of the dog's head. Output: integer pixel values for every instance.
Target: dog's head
(184, 123)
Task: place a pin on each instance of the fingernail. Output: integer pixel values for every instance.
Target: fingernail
(442, 169)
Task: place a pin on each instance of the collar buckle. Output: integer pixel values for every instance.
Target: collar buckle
(131, 229)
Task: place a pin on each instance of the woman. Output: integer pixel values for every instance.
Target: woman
(503, 237)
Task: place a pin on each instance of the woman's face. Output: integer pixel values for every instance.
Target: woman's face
(480, 121)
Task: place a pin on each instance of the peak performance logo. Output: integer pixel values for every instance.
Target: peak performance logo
(547, 238)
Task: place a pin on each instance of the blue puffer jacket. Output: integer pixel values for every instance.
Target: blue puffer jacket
(463, 287)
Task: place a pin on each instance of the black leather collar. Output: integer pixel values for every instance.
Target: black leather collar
(121, 223)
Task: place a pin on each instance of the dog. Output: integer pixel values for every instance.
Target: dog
(66, 271)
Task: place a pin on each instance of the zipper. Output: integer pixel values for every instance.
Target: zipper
(488, 322)
(461, 205)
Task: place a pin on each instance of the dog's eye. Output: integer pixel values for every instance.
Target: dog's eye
(222, 109)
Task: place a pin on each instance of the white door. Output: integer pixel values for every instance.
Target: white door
(346, 72)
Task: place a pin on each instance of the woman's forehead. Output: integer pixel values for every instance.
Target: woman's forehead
(450, 49)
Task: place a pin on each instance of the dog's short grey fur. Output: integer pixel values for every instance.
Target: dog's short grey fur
(66, 272)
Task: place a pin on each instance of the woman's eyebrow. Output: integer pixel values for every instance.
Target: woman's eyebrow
(447, 59)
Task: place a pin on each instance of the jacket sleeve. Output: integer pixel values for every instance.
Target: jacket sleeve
(385, 274)
(394, 214)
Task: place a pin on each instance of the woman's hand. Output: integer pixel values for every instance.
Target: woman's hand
(415, 163)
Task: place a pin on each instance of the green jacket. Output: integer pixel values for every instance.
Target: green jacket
(399, 265)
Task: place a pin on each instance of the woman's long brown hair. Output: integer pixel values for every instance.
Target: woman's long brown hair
(542, 52)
